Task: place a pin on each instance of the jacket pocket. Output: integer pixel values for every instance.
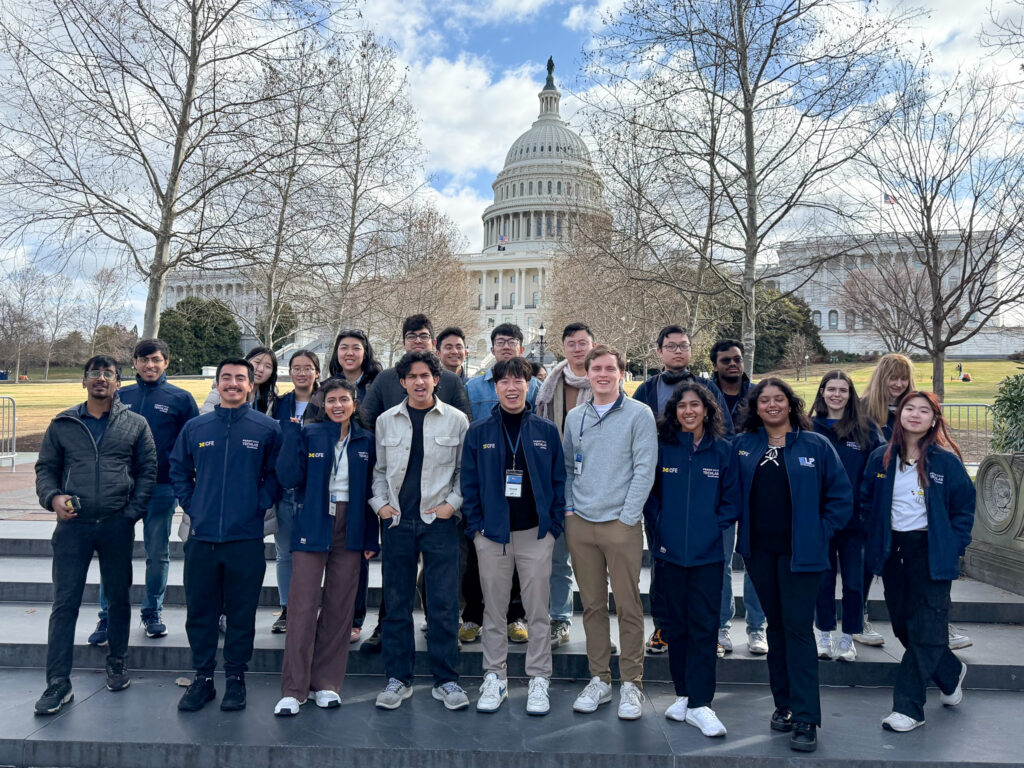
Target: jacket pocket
(446, 449)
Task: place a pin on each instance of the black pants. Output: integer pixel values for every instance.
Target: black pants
(364, 582)
(659, 604)
(691, 598)
(222, 578)
(919, 610)
(788, 601)
(73, 544)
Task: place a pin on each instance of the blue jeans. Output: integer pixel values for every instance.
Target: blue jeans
(401, 548)
(283, 543)
(751, 605)
(561, 581)
(156, 533)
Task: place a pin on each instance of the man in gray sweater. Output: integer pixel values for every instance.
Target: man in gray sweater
(611, 450)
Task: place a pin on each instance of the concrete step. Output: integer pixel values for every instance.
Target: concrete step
(996, 659)
(29, 580)
(141, 726)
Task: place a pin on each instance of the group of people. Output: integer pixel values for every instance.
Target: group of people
(506, 488)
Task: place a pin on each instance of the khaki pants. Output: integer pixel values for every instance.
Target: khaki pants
(531, 557)
(603, 551)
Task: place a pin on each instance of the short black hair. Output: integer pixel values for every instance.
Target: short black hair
(723, 344)
(572, 328)
(513, 368)
(668, 330)
(332, 384)
(101, 361)
(413, 323)
(406, 363)
(147, 347)
(236, 361)
(451, 330)
(507, 329)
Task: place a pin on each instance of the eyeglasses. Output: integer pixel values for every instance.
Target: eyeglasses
(578, 344)
(105, 375)
(350, 347)
(152, 359)
(505, 343)
(306, 369)
(684, 347)
(424, 336)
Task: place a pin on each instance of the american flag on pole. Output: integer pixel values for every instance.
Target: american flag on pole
(889, 199)
(502, 239)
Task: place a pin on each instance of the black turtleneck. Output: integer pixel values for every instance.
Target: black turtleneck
(522, 512)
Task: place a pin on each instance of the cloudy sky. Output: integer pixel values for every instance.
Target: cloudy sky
(475, 69)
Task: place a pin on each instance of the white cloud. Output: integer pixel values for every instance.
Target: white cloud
(468, 117)
(463, 205)
(589, 18)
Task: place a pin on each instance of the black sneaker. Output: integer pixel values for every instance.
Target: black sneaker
(57, 694)
(117, 675)
(198, 694)
(99, 635)
(804, 738)
(281, 625)
(234, 694)
(372, 644)
(154, 625)
(782, 720)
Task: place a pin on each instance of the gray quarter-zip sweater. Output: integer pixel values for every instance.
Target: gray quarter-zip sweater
(619, 455)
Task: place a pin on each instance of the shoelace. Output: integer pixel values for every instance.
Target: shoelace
(394, 686)
(51, 689)
(538, 690)
(492, 686)
(634, 695)
(451, 688)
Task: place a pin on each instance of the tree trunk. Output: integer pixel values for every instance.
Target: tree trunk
(747, 326)
(154, 294)
(17, 366)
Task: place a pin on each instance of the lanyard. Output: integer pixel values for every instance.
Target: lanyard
(515, 448)
(339, 454)
(615, 405)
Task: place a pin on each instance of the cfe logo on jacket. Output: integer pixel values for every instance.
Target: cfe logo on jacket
(670, 470)
(315, 455)
(485, 446)
(880, 476)
(806, 462)
(208, 444)
(743, 453)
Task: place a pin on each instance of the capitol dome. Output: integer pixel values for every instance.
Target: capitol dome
(548, 184)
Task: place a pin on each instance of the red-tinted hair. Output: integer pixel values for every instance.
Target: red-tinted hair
(937, 434)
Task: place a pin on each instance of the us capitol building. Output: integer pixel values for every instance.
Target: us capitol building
(546, 189)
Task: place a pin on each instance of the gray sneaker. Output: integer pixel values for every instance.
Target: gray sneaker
(452, 695)
(394, 693)
(757, 642)
(869, 636)
(724, 640)
(958, 640)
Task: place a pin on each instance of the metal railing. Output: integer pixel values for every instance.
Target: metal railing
(8, 430)
(971, 425)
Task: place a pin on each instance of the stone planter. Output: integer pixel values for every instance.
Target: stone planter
(996, 552)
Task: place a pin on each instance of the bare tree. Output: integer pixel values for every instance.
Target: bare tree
(21, 304)
(1005, 31)
(780, 95)
(59, 308)
(799, 351)
(121, 123)
(103, 302)
(952, 166)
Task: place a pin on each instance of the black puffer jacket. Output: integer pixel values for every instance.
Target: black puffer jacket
(112, 478)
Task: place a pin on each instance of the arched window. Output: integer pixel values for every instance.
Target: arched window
(531, 187)
(833, 319)
(851, 320)
(549, 187)
(816, 318)
(568, 188)
(521, 189)
(512, 299)
(495, 300)
(559, 187)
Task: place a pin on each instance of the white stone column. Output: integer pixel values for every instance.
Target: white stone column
(501, 291)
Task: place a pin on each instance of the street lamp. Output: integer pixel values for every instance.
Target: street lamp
(807, 360)
(540, 342)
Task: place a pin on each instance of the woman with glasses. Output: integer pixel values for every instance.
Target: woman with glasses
(796, 495)
(330, 466)
(918, 505)
(295, 406)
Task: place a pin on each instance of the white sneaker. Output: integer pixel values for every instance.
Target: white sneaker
(825, 645)
(394, 693)
(901, 723)
(724, 640)
(705, 719)
(757, 642)
(869, 636)
(537, 701)
(845, 650)
(591, 697)
(630, 702)
(493, 691)
(954, 698)
(677, 711)
(326, 699)
(958, 641)
(288, 706)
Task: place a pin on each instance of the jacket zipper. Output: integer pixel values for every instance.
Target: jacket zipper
(224, 478)
(792, 506)
(689, 485)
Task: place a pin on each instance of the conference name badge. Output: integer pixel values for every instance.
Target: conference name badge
(513, 484)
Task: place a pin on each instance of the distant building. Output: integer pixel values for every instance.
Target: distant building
(225, 285)
(841, 325)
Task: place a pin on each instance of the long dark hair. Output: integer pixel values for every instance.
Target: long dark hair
(668, 424)
(854, 424)
(937, 434)
(798, 418)
(266, 393)
(370, 365)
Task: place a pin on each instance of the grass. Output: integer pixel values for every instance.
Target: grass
(39, 402)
